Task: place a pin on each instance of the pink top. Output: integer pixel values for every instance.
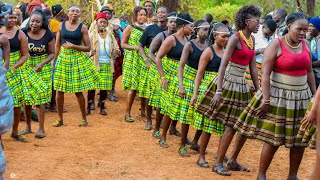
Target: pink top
(292, 64)
(242, 56)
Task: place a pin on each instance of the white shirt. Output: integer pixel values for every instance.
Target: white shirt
(104, 49)
(261, 42)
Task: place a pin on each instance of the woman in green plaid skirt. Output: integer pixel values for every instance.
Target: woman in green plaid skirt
(187, 71)
(154, 81)
(104, 49)
(74, 71)
(41, 52)
(171, 47)
(207, 70)
(131, 67)
(21, 86)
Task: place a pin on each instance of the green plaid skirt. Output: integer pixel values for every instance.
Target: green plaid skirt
(180, 106)
(154, 86)
(74, 72)
(45, 75)
(289, 99)
(236, 96)
(201, 122)
(105, 77)
(14, 80)
(170, 68)
(143, 89)
(308, 135)
(130, 70)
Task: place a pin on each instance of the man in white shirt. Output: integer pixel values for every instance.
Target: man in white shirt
(262, 39)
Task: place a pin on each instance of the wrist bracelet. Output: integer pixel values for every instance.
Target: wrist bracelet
(163, 78)
(219, 93)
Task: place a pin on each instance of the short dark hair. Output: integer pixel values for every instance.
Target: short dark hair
(244, 13)
(208, 18)
(225, 22)
(271, 24)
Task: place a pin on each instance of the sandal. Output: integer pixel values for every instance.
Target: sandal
(175, 132)
(221, 170)
(18, 138)
(83, 123)
(25, 131)
(183, 152)
(128, 119)
(163, 143)
(103, 112)
(40, 135)
(203, 164)
(57, 123)
(148, 126)
(156, 134)
(195, 147)
(225, 159)
(237, 167)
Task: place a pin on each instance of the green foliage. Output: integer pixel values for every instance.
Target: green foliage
(221, 12)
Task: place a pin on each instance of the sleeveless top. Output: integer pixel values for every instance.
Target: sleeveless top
(15, 43)
(175, 52)
(292, 64)
(244, 55)
(214, 63)
(193, 59)
(164, 35)
(41, 46)
(73, 37)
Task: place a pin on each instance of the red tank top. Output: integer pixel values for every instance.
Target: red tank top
(242, 56)
(292, 64)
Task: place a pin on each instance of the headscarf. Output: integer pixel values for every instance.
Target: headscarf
(101, 15)
(33, 4)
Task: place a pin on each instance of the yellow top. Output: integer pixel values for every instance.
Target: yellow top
(54, 25)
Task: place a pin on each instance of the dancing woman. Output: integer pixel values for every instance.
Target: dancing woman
(131, 68)
(154, 77)
(208, 68)
(229, 93)
(188, 67)
(41, 50)
(274, 114)
(74, 71)
(168, 68)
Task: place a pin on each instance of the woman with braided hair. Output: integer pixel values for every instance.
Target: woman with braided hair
(41, 52)
(229, 93)
(208, 68)
(275, 114)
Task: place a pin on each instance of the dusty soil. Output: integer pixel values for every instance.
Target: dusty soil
(110, 148)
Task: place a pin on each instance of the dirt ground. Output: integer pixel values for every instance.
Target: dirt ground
(110, 148)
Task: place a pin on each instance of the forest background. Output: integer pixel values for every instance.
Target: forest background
(220, 9)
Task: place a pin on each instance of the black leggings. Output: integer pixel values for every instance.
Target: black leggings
(91, 94)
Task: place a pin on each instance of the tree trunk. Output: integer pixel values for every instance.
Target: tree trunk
(310, 8)
(173, 5)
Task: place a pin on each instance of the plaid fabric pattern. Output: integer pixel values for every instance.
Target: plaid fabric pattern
(236, 96)
(201, 122)
(45, 75)
(74, 72)
(143, 89)
(289, 99)
(308, 135)
(170, 68)
(154, 87)
(131, 68)
(247, 75)
(105, 77)
(14, 81)
(180, 106)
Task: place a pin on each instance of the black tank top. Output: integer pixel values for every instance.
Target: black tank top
(214, 63)
(73, 37)
(164, 35)
(15, 43)
(175, 52)
(193, 59)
